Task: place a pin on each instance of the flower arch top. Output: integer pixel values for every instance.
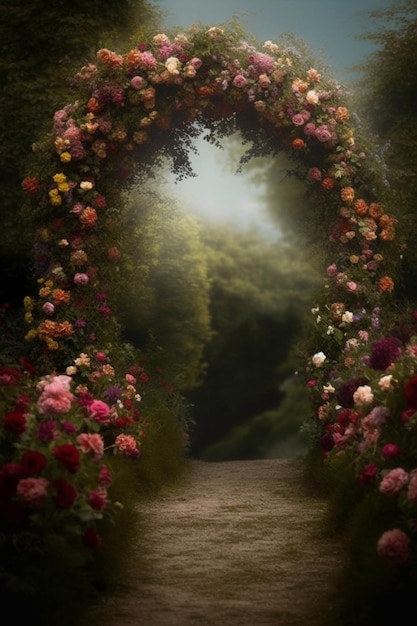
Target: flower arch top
(127, 107)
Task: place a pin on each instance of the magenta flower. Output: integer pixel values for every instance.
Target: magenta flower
(390, 450)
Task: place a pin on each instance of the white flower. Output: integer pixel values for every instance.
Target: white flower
(330, 330)
(173, 65)
(363, 395)
(347, 317)
(385, 383)
(312, 97)
(318, 359)
(86, 185)
(328, 388)
(269, 45)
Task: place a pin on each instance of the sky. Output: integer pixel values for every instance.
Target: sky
(328, 27)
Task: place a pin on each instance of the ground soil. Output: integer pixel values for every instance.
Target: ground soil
(239, 543)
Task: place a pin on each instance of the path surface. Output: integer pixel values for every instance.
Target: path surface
(241, 543)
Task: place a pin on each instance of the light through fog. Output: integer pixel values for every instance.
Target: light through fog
(218, 193)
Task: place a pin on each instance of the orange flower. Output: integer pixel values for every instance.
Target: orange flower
(385, 221)
(94, 106)
(361, 207)
(347, 194)
(342, 114)
(298, 144)
(328, 183)
(386, 284)
(388, 234)
(59, 296)
(89, 216)
(375, 210)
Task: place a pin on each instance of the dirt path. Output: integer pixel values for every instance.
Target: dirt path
(241, 543)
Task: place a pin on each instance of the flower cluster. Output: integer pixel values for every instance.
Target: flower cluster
(55, 435)
(367, 411)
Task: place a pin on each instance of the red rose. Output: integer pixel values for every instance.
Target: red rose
(65, 493)
(32, 463)
(68, 456)
(91, 538)
(14, 422)
(410, 392)
(368, 474)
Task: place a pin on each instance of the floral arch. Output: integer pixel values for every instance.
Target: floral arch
(127, 107)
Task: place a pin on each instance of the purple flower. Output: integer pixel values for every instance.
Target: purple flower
(112, 394)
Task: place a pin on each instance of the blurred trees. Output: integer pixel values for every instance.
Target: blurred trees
(258, 297)
(164, 305)
(386, 97)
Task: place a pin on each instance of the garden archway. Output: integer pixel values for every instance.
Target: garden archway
(134, 107)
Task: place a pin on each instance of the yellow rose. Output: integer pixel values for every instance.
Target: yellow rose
(59, 178)
(65, 157)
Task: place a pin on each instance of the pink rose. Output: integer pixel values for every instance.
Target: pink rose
(48, 308)
(99, 411)
(32, 491)
(240, 81)
(91, 442)
(81, 279)
(97, 499)
(104, 477)
(351, 286)
(126, 444)
(393, 482)
(55, 398)
(322, 133)
(310, 128)
(412, 486)
(394, 547)
(314, 173)
(331, 270)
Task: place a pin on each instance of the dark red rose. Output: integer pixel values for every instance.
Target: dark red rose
(65, 493)
(68, 456)
(91, 538)
(32, 463)
(14, 422)
(368, 474)
(384, 352)
(410, 392)
(9, 376)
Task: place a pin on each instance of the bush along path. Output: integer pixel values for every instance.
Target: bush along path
(237, 543)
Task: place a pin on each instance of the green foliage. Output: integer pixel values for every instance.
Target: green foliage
(165, 299)
(258, 295)
(273, 434)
